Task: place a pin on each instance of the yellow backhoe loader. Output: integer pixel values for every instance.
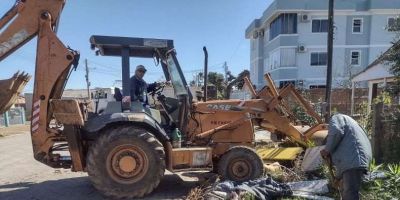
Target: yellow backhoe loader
(126, 148)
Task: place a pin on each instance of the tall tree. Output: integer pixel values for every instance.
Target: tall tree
(238, 82)
(224, 87)
(244, 73)
(392, 56)
(217, 79)
(230, 77)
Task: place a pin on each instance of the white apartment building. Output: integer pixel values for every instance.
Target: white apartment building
(289, 40)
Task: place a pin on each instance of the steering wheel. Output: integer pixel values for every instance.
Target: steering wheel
(158, 89)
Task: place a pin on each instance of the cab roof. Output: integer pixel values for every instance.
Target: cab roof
(138, 47)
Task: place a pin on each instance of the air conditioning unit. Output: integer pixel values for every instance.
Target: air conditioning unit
(304, 18)
(301, 49)
(255, 34)
(300, 83)
(261, 33)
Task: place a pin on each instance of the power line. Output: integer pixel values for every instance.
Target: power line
(114, 71)
(94, 70)
(236, 49)
(104, 66)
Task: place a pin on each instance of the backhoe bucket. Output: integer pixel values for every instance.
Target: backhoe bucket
(10, 90)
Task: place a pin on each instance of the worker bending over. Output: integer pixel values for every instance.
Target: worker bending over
(350, 150)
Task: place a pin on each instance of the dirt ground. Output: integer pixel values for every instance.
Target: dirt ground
(21, 177)
(14, 129)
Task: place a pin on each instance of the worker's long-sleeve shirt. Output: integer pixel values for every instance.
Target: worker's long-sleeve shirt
(348, 144)
(139, 89)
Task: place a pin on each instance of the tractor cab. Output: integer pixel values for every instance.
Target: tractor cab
(172, 110)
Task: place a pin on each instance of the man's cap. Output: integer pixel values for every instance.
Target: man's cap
(141, 67)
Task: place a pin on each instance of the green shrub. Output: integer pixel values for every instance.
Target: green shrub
(301, 115)
(387, 188)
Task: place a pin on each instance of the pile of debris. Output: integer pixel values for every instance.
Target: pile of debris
(293, 173)
(264, 189)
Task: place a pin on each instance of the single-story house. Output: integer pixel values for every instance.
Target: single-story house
(376, 74)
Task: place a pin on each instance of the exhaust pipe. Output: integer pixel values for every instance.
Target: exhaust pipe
(205, 73)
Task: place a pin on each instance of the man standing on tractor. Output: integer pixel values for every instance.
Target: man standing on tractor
(139, 87)
(349, 149)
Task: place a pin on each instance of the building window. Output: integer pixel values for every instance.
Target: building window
(317, 86)
(285, 23)
(288, 57)
(285, 57)
(318, 59)
(285, 83)
(355, 58)
(319, 26)
(393, 24)
(357, 25)
(275, 59)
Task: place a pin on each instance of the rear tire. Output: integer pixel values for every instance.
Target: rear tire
(126, 162)
(240, 164)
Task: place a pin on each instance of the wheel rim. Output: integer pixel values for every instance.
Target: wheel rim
(240, 169)
(127, 164)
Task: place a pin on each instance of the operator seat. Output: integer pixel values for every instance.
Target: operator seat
(117, 94)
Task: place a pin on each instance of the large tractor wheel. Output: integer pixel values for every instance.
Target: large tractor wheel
(126, 162)
(240, 163)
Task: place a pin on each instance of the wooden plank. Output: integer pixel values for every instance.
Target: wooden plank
(250, 86)
(280, 153)
(75, 147)
(67, 111)
(271, 85)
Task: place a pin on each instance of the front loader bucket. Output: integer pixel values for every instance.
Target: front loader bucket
(10, 90)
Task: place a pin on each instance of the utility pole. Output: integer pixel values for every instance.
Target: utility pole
(198, 79)
(205, 96)
(329, 62)
(87, 78)
(226, 71)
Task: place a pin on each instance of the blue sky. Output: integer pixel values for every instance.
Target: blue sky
(217, 24)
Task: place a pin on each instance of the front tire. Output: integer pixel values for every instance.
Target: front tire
(240, 164)
(126, 162)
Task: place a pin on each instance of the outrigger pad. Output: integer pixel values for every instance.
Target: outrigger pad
(11, 88)
(67, 111)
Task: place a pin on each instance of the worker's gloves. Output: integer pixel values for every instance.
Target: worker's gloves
(157, 84)
(161, 84)
(126, 99)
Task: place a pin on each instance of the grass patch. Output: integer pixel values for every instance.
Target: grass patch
(387, 188)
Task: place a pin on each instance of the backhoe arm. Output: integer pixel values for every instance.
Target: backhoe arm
(21, 22)
(27, 19)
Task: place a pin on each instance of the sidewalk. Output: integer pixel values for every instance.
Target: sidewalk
(14, 129)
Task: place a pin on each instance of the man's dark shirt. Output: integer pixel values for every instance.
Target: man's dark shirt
(139, 89)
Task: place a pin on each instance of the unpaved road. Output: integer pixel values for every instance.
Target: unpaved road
(14, 129)
(21, 177)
